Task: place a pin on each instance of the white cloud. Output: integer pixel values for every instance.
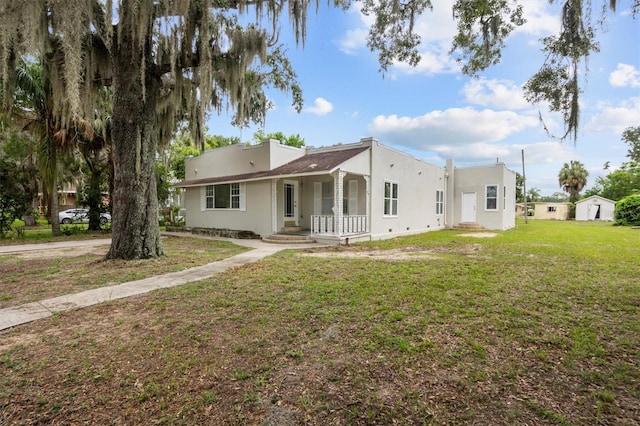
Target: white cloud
(353, 40)
(625, 76)
(452, 127)
(615, 118)
(434, 59)
(494, 93)
(321, 107)
(540, 153)
(541, 20)
(437, 28)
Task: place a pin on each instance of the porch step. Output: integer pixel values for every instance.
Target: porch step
(288, 239)
(291, 229)
(469, 226)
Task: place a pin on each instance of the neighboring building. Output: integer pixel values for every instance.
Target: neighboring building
(545, 210)
(595, 208)
(67, 198)
(354, 192)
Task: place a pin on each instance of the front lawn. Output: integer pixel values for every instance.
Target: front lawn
(41, 274)
(537, 325)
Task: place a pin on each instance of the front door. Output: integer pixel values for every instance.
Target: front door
(291, 201)
(468, 207)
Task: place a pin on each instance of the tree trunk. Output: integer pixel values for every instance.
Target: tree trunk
(93, 191)
(94, 196)
(54, 208)
(135, 228)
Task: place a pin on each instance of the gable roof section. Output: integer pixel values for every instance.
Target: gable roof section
(315, 163)
(595, 196)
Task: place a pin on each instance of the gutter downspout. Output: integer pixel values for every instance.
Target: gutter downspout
(450, 199)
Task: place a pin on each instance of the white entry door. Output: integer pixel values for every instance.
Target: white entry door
(468, 207)
(290, 198)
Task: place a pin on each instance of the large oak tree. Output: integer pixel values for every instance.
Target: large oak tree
(169, 61)
(166, 62)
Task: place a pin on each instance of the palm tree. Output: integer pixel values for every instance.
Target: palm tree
(572, 179)
(33, 107)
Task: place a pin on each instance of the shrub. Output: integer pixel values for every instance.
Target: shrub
(627, 211)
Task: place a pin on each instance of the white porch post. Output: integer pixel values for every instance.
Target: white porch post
(274, 206)
(338, 191)
(367, 181)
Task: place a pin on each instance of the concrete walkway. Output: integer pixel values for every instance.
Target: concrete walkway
(10, 317)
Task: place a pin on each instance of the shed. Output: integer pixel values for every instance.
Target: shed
(595, 208)
(547, 210)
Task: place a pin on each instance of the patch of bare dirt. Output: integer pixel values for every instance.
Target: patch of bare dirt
(63, 252)
(395, 254)
(479, 234)
(407, 253)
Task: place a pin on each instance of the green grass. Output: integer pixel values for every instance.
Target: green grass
(37, 275)
(539, 325)
(41, 233)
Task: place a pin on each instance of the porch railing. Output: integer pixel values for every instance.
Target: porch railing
(327, 224)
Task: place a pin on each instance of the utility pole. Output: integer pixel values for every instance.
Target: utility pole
(524, 190)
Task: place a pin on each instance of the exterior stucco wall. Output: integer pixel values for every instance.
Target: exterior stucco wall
(583, 208)
(509, 207)
(475, 180)
(238, 159)
(256, 217)
(417, 185)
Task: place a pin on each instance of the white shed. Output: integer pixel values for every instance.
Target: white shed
(595, 208)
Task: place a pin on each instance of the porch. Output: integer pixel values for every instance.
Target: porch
(341, 225)
(332, 207)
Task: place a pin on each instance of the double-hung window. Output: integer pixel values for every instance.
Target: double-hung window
(390, 199)
(223, 196)
(491, 197)
(209, 191)
(439, 202)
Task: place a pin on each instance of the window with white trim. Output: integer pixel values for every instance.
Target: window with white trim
(390, 199)
(224, 196)
(439, 202)
(491, 197)
(209, 197)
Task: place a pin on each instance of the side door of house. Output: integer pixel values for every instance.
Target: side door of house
(468, 207)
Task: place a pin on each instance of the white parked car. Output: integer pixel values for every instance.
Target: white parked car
(80, 216)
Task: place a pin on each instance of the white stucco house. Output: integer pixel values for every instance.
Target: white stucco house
(342, 193)
(595, 208)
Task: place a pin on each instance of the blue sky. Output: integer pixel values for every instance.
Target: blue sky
(434, 112)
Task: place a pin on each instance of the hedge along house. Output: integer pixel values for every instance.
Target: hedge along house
(595, 208)
(343, 193)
